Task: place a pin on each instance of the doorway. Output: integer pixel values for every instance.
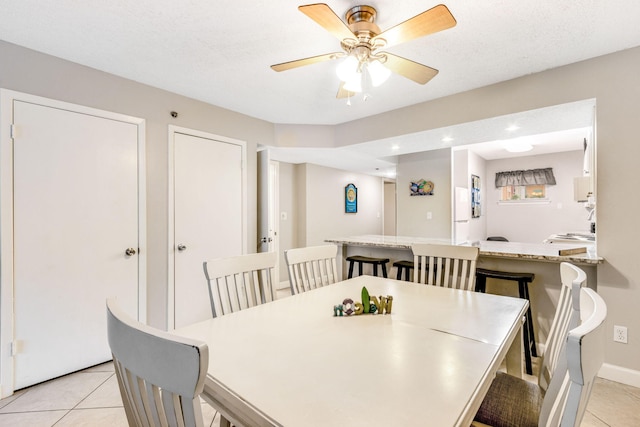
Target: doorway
(389, 224)
(269, 208)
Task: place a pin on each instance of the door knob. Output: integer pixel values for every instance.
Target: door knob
(182, 248)
(130, 252)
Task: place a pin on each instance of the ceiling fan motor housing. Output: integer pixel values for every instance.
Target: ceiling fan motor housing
(360, 13)
(361, 23)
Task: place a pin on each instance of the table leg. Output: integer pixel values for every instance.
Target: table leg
(514, 355)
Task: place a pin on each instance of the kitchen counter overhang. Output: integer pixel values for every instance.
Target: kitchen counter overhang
(546, 252)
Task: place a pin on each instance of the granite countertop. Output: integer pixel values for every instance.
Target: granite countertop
(527, 251)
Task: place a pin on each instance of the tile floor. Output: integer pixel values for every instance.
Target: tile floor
(91, 398)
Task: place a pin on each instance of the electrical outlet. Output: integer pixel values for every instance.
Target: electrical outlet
(620, 334)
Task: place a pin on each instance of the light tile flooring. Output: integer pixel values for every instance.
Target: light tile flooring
(91, 398)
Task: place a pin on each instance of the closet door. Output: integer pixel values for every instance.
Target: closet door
(76, 231)
(208, 216)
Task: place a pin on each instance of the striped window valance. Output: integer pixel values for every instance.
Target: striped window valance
(525, 177)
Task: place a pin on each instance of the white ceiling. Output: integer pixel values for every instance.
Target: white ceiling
(220, 51)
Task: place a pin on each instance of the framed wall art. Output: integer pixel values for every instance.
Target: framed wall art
(475, 196)
(421, 187)
(351, 198)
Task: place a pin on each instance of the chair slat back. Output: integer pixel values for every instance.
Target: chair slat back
(160, 376)
(240, 282)
(445, 265)
(581, 357)
(567, 317)
(311, 267)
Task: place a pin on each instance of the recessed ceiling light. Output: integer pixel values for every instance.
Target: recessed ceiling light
(447, 139)
(518, 146)
(395, 147)
(512, 128)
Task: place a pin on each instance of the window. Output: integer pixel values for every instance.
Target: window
(524, 185)
(523, 192)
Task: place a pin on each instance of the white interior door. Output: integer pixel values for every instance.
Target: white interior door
(208, 216)
(268, 207)
(75, 213)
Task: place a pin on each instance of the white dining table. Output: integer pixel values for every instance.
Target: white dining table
(291, 362)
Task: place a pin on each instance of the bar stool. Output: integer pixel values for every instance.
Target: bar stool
(405, 266)
(523, 280)
(367, 260)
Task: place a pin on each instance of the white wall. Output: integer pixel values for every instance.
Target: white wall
(292, 135)
(412, 211)
(313, 198)
(323, 200)
(524, 222)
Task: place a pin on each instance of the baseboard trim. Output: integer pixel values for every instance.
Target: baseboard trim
(620, 374)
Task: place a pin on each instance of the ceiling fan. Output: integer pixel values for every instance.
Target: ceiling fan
(361, 40)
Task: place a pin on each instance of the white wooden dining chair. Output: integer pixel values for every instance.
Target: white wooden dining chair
(445, 265)
(566, 317)
(311, 267)
(240, 282)
(513, 401)
(161, 376)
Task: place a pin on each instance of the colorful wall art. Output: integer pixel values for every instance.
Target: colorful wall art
(422, 188)
(351, 199)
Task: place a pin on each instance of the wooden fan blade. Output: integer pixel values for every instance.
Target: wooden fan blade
(306, 61)
(343, 93)
(323, 15)
(407, 68)
(431, 21)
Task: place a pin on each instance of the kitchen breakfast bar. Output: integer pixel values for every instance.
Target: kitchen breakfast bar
(541, 259)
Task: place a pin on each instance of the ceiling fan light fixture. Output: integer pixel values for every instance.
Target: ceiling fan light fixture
(378, 72)
(354, 84)
(347, 69)
(361, 38)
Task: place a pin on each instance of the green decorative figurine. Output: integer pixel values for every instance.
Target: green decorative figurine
(365, 300)
(369, 305)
